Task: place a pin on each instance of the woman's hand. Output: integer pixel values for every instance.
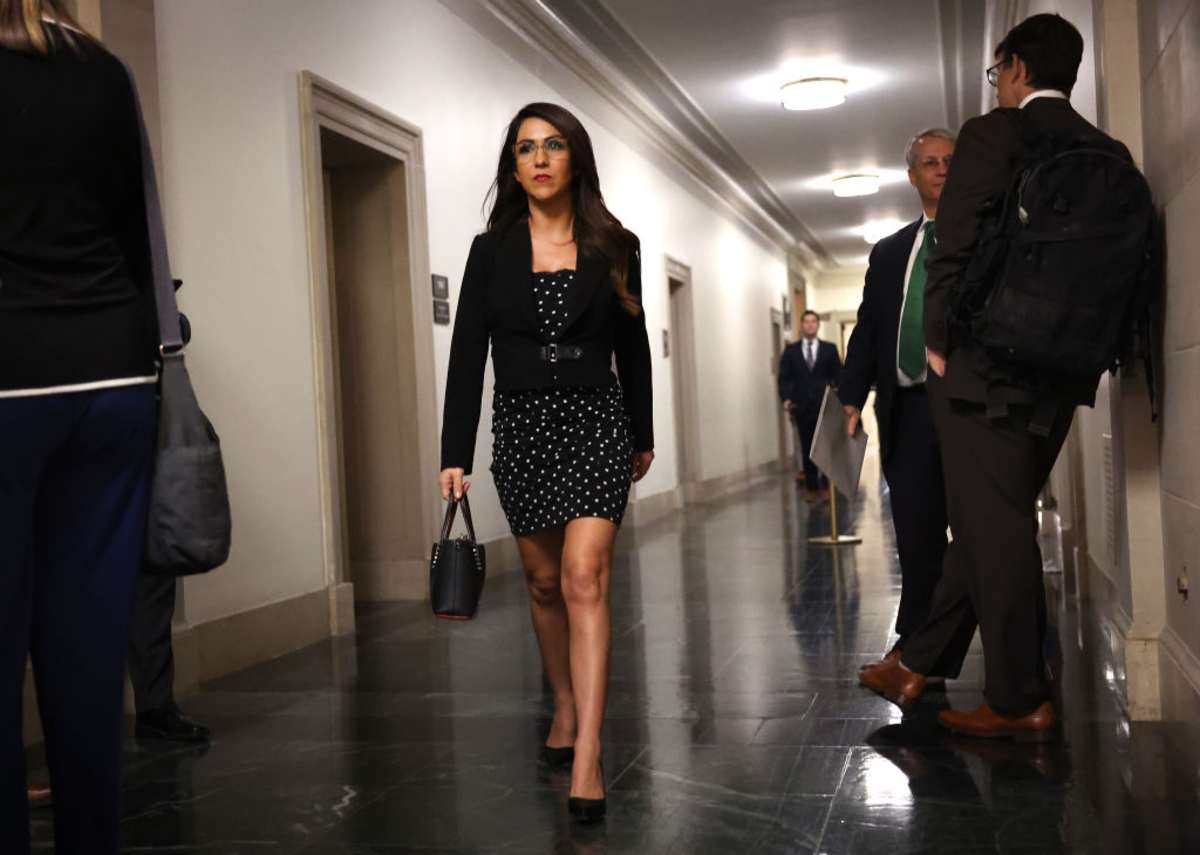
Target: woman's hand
(641, 464)
(451, 480)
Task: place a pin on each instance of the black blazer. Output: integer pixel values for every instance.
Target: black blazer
(871, 354)
(805, 388)
(496, 305)
(991, 151)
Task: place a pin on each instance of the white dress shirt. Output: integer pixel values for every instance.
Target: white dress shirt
(1043, 93)
(904, 380)
(810, 352)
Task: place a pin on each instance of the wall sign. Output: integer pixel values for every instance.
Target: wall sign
(441, 287)
(666, 343)
(441, 312)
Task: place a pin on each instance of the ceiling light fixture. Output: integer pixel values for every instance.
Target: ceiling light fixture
(813, 93)
(861, 184)
(876, 230)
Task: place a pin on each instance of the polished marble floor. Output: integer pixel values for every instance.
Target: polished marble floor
(735, 724)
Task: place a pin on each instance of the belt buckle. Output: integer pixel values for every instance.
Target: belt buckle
(552, 352)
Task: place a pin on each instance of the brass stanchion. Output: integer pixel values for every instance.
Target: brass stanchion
(833, 538)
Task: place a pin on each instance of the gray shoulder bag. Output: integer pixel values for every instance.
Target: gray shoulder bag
(189, 527)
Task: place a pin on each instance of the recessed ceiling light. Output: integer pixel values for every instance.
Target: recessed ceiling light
(813, 93)
(861, 184)
(876, 230)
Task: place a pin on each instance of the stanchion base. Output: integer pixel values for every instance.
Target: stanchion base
(840, 540)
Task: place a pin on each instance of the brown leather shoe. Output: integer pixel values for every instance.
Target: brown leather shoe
(895, 682)
(1037, 726)
(39, 796)
(892, 657)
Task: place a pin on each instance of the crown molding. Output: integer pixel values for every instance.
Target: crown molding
(587, 41)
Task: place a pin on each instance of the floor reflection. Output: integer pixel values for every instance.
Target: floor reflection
(735, 722)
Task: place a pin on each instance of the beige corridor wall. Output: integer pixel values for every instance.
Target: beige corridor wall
(1170, 31)
(837, 290)
(231, 157)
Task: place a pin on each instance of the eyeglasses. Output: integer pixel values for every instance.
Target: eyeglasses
(526, 151)
(993, 73)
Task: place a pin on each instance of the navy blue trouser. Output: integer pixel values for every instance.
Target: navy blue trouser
(74, 489)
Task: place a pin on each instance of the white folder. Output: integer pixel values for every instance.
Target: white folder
(835, 453)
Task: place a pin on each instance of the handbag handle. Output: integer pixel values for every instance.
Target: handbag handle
(451, 509)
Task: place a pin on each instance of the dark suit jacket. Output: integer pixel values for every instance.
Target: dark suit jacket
(990, 153)
(871, 354)
(496, 305)
(805, 388)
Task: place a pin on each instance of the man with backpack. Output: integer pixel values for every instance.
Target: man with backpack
(1042, 237)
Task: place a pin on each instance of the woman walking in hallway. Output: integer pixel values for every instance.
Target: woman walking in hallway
(554, 285)
(78, 416)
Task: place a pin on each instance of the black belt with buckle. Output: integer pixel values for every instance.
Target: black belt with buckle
(560, 352)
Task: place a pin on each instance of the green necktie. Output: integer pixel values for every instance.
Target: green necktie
(912, 322)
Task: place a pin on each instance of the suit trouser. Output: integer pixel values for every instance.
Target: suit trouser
(807, 428)
(151, 658)
(74, 490)
(992, 577)
(918, 497)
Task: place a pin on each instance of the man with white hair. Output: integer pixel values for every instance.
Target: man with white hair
(887, 351)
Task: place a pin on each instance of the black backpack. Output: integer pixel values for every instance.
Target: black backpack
(1063, 271)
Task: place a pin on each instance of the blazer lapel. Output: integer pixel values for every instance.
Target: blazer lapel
(899, 265)
(514, 270)
(591, 272)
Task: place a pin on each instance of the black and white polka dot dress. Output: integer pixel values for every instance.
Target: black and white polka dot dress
(564, 452)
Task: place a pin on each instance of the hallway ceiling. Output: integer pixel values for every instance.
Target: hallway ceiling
(715, 63)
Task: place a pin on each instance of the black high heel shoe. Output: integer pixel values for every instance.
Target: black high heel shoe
(559, 757)
(588, 810)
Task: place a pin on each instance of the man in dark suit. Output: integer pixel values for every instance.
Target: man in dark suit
(806, 369)
(152, 664)
(887, 351)
(999, 434)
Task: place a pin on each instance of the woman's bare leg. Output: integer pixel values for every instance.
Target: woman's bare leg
(586, 565)
(541, 555)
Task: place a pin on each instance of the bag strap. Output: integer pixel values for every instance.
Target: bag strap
(170, 334)
(466, 506)
(448, 520)
(451, 510)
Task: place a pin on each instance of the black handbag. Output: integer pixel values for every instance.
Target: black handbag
(457, 568)
(189, 527)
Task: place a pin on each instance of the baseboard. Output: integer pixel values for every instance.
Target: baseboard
(724, 486)
(1180, 678)
(1162, 673)
(390, 579)
(213, 649)
(240, 640)
(645, 510)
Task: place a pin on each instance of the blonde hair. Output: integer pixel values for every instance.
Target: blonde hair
(23, 24)
(910, 155)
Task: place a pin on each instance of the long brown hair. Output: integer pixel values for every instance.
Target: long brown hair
(23, 25)
(597, 231)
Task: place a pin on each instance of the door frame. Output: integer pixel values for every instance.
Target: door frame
(685, 400)
(324, 104)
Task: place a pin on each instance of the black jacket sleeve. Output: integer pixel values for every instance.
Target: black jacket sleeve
(854, 383)
(984, 161)
(837, 360)
(468, 358)
(631, 346)
(787, 376)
